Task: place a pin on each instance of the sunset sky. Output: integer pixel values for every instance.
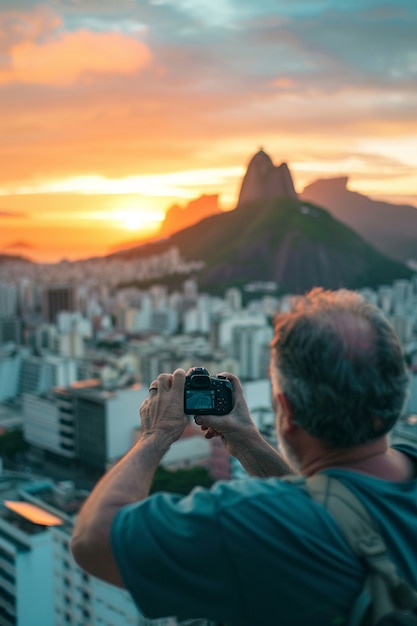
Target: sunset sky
(110, 112)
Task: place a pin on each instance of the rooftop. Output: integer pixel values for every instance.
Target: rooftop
(32, 505)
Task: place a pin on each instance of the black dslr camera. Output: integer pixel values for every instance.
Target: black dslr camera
(205, 394)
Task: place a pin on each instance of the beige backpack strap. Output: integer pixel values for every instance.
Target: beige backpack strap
(386, 590)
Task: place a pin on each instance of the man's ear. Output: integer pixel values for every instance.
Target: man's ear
(287, 425)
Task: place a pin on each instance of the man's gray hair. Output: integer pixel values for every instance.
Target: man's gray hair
(340, 364)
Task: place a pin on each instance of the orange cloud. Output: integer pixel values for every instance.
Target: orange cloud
(284, 82)
(62, 61)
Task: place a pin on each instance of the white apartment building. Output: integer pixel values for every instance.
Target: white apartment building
(250, 347)
(79, 599)
(10, 365)
(197, 317)
(40, 583)
(104, 423)
(402, 290)
(26, 577)
(258, 394)
(161, 319)
(90, 424)
(40, 374)
(411, 405)
(233, 298)
(10, 329)
(73, 329)
(385, 298)
(8, 300)
(404, 325)
(46, 338)
(228, 323)
(404, 431)
(127, 319)
(48, 422)
(188, 452)
(164, 321)
(71, 344)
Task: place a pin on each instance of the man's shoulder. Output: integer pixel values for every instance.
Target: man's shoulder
(243, 488)
(258, 497)
(407, 448)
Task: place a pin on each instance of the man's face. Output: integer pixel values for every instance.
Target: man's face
(283, 444)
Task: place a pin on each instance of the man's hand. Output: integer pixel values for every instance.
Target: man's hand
(162, 413)
(234, 428)
(241, 437)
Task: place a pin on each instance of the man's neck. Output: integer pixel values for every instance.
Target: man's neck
(375, 459)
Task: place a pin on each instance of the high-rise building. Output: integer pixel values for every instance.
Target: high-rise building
(258, 398)
(10, 330)
(105, 423)
(190, 289)
(8, 300)
(56, 299)
(248, 347)
(40, 374)
(9, 376)
(228, 322)
(214, 332)
(164, 321)
(83, 422)
(40, 583)
(196, 319)
(404, 431)
(411, 405)
(155, 360)
(402, 290)
(233, 298)
(48, 422)
(45, 338)
(25, 548)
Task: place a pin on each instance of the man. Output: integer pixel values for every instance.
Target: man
(260, 551)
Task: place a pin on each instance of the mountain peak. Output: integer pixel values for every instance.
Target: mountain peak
(264, 180)
(330, 185)
(178, 217)
(390, 228)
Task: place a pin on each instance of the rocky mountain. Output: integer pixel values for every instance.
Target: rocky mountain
(390, 228)
(265, 181)
(13, 258)
(294, 243)
(177, 217)
(262, 181)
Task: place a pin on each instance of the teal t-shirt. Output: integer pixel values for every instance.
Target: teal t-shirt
(257, 551)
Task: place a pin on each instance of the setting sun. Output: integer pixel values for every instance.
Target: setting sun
(136, 219)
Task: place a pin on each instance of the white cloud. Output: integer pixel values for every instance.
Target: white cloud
(180, 184)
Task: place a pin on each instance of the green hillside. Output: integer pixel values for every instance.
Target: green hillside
(297, 244)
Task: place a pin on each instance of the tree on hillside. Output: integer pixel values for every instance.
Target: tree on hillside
(11, 443)
(182, 480)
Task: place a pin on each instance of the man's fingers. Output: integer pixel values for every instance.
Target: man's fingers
(164, 382)
(202, 420)
(178, 380)
(236, 384)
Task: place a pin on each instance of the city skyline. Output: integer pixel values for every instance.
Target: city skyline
(110, 114)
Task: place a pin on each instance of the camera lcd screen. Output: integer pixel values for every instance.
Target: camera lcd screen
(200, 399)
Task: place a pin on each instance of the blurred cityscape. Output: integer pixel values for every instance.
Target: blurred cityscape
(77, 354)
